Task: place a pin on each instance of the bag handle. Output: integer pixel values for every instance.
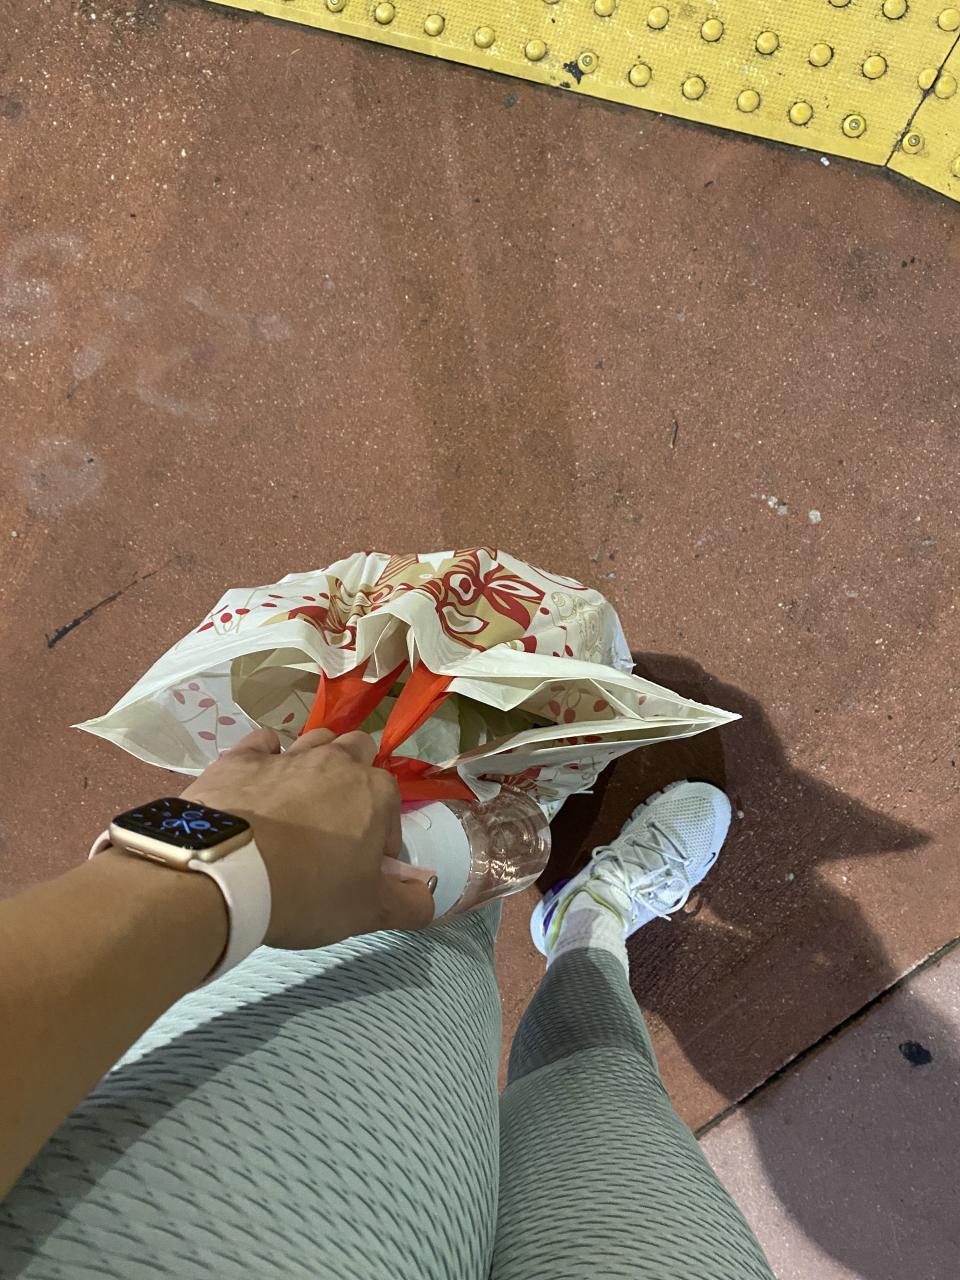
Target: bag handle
(343, 702)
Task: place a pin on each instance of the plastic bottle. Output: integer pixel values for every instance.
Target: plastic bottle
(479, 851)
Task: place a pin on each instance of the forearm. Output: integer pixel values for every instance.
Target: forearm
(87, 962)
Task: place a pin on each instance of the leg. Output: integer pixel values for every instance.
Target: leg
(329, 1113)
(599, 1177)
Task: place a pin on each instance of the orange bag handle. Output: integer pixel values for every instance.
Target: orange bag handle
(343, 703)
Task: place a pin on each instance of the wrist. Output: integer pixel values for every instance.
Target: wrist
(180, 916)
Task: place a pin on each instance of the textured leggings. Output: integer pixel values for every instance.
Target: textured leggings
(334, 1114)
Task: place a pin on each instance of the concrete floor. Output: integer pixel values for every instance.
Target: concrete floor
(847, 1166)
(268, 296)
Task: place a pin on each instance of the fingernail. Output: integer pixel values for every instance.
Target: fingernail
(432, 884)
(404, 870)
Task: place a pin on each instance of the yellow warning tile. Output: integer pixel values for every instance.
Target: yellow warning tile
(848, 77)
(929, 147)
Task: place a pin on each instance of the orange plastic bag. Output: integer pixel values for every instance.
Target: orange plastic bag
(342, 703)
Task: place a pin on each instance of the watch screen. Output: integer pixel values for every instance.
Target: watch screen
(183, 823)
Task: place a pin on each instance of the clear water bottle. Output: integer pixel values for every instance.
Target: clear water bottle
(478, 851)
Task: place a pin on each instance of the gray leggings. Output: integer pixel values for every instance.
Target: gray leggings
(334, 1114)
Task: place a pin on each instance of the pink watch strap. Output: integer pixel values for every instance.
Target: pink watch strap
(242, 879)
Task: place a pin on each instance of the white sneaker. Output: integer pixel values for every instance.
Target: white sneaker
(664, 850)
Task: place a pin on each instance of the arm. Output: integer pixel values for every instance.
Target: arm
(92, 958)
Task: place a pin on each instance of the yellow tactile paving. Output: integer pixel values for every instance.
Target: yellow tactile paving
(929, 149)
(874, 80)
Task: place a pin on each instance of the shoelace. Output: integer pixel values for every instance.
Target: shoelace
(672, 869)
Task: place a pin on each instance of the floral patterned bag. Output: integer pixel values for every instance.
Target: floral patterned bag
(491, 672)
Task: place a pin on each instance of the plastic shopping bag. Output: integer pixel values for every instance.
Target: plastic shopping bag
(472, 668)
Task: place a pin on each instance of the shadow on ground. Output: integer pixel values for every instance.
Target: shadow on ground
(768, 956)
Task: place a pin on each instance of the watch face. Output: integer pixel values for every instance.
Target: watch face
(185, 824)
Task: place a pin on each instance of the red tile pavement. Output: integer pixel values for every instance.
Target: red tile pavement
(267, 296)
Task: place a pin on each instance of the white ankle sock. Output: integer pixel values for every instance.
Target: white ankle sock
(588, 924)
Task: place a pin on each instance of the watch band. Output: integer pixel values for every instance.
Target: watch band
(242, 878)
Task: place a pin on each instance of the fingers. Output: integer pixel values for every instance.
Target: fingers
(262, 742)
(359, 746)
(362, 749)
(393, 837)
(405, 904)
(307, 741)
(406, 870)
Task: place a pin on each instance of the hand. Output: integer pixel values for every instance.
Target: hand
(323, 819)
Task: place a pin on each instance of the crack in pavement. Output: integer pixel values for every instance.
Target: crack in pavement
(55, 637)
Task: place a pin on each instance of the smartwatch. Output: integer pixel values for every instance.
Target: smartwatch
(187, 836)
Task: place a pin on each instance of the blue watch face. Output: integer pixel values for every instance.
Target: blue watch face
(183, 823)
